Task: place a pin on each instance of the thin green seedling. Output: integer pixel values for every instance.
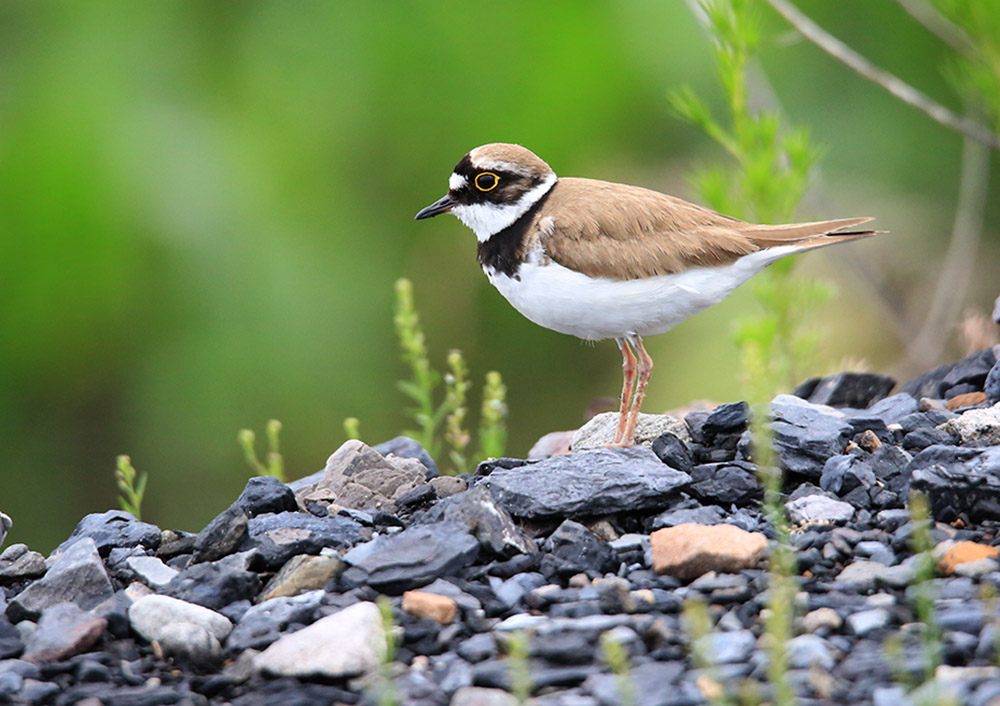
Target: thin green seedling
(617, 658)
(131, 485)
(492, 418)
(922, 589)
(386, 691)
(352, 428)
(456, 382)
(275, 463)
(518, 648)
(698, 624)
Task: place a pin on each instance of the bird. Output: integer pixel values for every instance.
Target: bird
(600, 260)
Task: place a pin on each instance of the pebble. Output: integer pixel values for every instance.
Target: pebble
(77, 574)
(347, 643)
(439, 608)
(600, 430)
(63, 630)
(866, 621)
(818, 509)
(959, 553)
(302, 573)
(687, 551)
(492, 525)
(151, 570)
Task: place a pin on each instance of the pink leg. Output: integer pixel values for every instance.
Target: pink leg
(645, 370)
(628, 372)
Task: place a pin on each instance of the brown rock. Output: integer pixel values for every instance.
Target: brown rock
(687, 551)
(446, 486)
(430, 605)
(966, 400)
(64, 630)
(554, 443)
(301, 573)
(963, 553)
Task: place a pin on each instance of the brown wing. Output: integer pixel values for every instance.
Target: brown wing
(626, 232)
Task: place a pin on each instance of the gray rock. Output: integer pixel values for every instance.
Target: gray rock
(151, 571)
(63, 630)
(416, 556)
(806, 435)
(727, 482)
(863, 574)
(573, 549)
(264, 623)
(190, 642)
(114, 528)
(672, 451)
(867, 621)
(28, 564)
(856, 390)
(701, 515)
(482, 696)
(405, 447)
(600, 430)
(302, 573)
(265, 494)
(491, 524)
(222, 535)
(477, 648)
(728, 647)
(595, 482)
(971, 489)
(150, 615)
(77, 575)
(213, 585)
(652, 685)
(807, 651)
(818, 509)
(842, 474)
(344, 644)
(5, 525)
(277, 538)
(11, 644)
(893, 409)
(876, 551)
(992, 385)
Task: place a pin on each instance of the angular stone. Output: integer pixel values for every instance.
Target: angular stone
(701, 515)
(672, 451)
(595, 482)
(842, 474)
(976, 427)
(447, 486)
(971, 489)
(805, 435)
(818, 509)
(264, 494)
(114, 528)
(345, 644)
(213, 585)
(600, 430)
(867, 621)
(728, 483)
(151, 571)
(222, 535)
(572, 549)
(962, 553)
(430, 605)
(855, 390)
(11, 643)
(63, 630)
(688, 551)
(894, 408)
(27, 565)
(492, 524)
(992, 386)
(967, 399)
(264, 623)
(277, 538)
(726, 419)
(405, 447)
(416, 556)
(300, 574)
(77, 575)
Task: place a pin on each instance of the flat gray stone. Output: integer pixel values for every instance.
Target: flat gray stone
(63, 630)
(597, 482)
(818, 509)
(151, 570)
(600, 430)
(77, 575)
(347, 643)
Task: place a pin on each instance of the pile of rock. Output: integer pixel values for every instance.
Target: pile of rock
(275, 600)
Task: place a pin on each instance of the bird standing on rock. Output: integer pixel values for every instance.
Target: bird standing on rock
(600, 260)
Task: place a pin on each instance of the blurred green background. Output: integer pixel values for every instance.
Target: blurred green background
(204, 205)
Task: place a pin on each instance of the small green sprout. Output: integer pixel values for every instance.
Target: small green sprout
(131, 485)
(275, 463)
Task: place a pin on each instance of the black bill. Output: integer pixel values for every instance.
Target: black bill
(442, 205)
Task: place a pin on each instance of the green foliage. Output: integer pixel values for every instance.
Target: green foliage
(448, 418)
(922, 588)
(975, 69)
(616, 657)
(352, 428)
(275, 463)
(386, 693)
(517, 662)
(698, 624)
(771, 175)
(131, 486)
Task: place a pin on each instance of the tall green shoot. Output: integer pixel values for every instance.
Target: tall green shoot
(275, 465)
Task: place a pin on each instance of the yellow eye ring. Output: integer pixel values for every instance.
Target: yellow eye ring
(496, 181)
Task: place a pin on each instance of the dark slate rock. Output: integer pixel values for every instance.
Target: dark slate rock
(406, 447)
(264, 623)
(651, 684)
(971, 491)
(855, 390)
(63, 630)
(114, 528)
(573, 549)
(728, 483)
(701, 515)
(490, 523)
(416, 556)
(673, 452)
(478, 648)
(213, 585)
(222, 535)
(971, 370)
(842, 474)
(725, 419)
(865, 422)
(947, 456)
(805, 436)
(279, 537)
(416, 498)
(893, 409)
(10, 639)
(992, 385)
(594, 482)
(696, 422)
(920, 439)
(77, 575)
(495, 673)
(264, 494)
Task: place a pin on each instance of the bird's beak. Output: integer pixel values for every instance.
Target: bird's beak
(442, 205)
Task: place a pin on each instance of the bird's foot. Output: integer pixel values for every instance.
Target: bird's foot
(623, 444)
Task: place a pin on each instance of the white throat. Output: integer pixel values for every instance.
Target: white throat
(488, 219)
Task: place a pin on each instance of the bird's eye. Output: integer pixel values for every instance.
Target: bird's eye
(487, 181)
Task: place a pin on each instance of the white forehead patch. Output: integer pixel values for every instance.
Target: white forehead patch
(456, 182)
(486, 219)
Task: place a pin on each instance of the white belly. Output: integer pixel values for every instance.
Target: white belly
(596, 308)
